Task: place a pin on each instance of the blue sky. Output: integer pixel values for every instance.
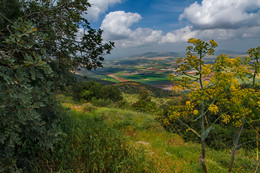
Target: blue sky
(138, 26)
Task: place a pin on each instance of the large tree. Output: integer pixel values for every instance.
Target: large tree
(41, 41)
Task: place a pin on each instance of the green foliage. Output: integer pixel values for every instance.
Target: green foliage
(101, 102)
(111, 92)
(88, 90)
(96, 93)
(38, 48)
(144, 103)
(29, 115)
(135, 87)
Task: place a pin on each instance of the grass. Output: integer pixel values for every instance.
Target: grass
(135, 142)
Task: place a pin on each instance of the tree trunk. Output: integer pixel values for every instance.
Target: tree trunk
(203, 151)
(235, 147)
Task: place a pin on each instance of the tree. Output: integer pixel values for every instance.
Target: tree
(110, 92)
(38, 48)
(215, 91)
(194, 61)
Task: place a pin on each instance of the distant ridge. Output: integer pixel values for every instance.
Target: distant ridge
(156, 54)
(224, 51)
(103, 82)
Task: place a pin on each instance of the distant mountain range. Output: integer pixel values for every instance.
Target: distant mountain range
(229, 52)
(174, 54)
(156, 54)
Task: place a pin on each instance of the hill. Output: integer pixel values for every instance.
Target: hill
(116, 140)
(129, 87)
(157, 54)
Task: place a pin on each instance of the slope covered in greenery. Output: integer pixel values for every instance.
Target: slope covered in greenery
(117, 140)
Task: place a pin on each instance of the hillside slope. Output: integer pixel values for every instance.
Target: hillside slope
(151, 147)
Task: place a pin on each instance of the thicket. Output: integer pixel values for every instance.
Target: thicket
(136, 87)
(145, 103)
(39, 45)
(95, 93)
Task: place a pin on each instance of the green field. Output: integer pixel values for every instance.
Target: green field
(149, 78)
(150, 68)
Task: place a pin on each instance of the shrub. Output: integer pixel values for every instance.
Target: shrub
(110, 92)
(100, 102)
(144, 103)
(87, 91)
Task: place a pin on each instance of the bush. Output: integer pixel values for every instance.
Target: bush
(110, 92)
(122, 104)
(87, 91)
(100, 102)
(144, 103)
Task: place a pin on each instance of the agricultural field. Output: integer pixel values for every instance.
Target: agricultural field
(150, 68)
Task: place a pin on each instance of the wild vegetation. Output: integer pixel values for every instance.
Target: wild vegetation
(38, 48)
(49, 122)
(219, 93)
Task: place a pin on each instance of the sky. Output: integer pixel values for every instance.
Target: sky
(139, 26)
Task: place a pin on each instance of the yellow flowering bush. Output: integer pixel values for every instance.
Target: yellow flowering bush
(215, 90)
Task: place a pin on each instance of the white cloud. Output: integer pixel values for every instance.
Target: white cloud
(116, 26)
(223, 13)
(182, 35)
(99, 7)
(142, 36)
(213, 19)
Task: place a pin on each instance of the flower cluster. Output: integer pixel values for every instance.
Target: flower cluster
(213, 109)
(225, 118)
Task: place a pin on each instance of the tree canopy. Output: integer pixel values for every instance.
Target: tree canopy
(41, 41)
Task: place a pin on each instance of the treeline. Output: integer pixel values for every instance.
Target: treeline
(135, 87)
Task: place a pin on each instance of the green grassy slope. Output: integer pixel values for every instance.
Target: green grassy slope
(135, 142)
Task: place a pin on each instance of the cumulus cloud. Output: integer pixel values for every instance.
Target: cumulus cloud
(117, 27)
(212, 19)
(182, 35)
(223, 13)
(99, 7)
(116, 24)
(142, 36)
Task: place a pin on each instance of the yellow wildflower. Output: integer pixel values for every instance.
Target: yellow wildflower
(195, 112)
(187, 129)
(192, 40)
(225, 118)
(166, 121)
(213, 43)
(213, 109)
